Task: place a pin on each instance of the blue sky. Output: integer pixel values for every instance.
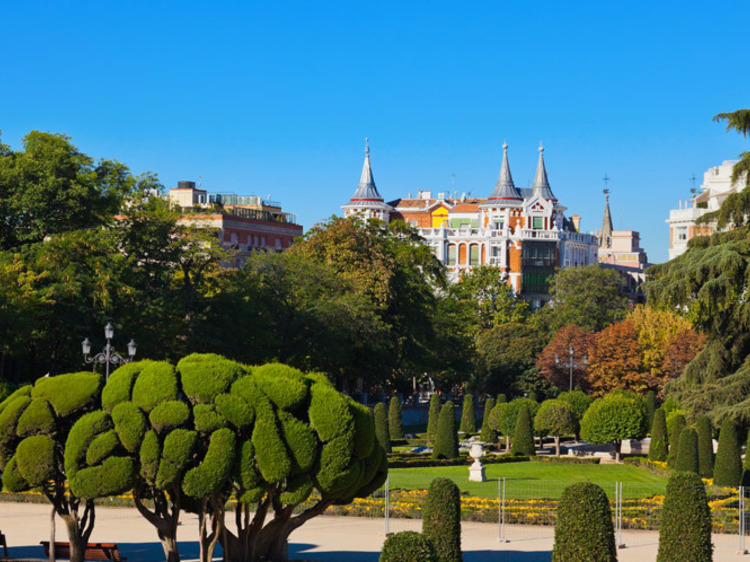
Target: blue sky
(276, 98)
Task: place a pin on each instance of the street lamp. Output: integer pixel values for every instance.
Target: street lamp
(571, 364)
(108, 356)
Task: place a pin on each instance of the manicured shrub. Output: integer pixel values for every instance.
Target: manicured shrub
(206, 375)
(432, 418)
(113, 476)
(583, 531)
(156, 383)
(685, 530)
(504, 416)
(329, 412)
(381, 427)
(441, 519)
(130, 425)
(488, 435)
(658, 449)
(6, 389)
(149, 456)
(364, 430)
(83, 432)
(618, 415)
(285, 386)
(70, 392)
(579, 402)
(235, 409)
(168, 415)
(555, 418)
(687, 452)
(650, 406)
(36, 461)
(119, 387)
(271, 453)
(468, 419)
(101, 447)
(678, 424)
(407, 546)
(446, 440)
(175, 456)
(302, 442)
(12, 479)
(395, 427)
(211, 475)
(36, 418)
(501, 398)
(705, 447)
(728, 467)
(206, 419)
(523, 436)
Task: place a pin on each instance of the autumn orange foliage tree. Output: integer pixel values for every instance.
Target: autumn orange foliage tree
(616, 361)
(559, 375)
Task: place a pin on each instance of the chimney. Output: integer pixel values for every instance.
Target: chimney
(576, 220)
(185, 185)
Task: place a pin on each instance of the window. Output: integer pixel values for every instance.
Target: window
(682, 233)
(499, 224)
(452, 254)
(537, 223)
(474, 255)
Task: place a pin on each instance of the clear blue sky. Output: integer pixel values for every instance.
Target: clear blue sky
(275, 98)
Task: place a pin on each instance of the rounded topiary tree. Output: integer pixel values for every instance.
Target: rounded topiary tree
(685, 530)
(705, 447)
(650, 406)
(441, 519)
(555, 418)
(505, 414)
(579, 402)
(583, 530)
(432, 418)
(468, 419)
(395, 424)
(658, 449)
(381, 427)
(728, 467)
(523, 436)
(407, 546)
(687, 453)
(446, 440)
(678, 423)
(488, 435)
(618, 415)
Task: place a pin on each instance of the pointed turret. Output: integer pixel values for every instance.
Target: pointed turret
(366, 190)
(505, 189)
(541, 183)
(605, 237)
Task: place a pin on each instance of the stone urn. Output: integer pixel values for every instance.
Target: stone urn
(476, 470)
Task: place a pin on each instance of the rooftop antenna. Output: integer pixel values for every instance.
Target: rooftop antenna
(606, 179)
(200, 182)
(692, 181)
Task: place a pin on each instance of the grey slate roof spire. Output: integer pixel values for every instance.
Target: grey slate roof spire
(541, 183)
(605, 237)
(505, 189)
(366, 190)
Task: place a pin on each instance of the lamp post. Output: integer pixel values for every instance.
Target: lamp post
(571, 364)
(108, 356)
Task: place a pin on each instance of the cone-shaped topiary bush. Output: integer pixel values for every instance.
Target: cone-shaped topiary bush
(650, 406)
(658, 449)
(705, 447)
(446, 440)
(468, 419)
(441, 519)
(583, 531)
(523, 436)
(381, 427)
(687, 451)
(685, 530)
(432, 418)
(728, 467)
(488, 435)
(678, 424)
(407, 546)
(395, 428)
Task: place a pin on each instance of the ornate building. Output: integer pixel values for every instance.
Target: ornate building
(521, 231)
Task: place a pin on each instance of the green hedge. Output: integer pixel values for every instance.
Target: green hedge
(36, 459)
(687, 453)
(329, 412)
(468, 419)
(211, 475)
(364, 430)
(432, 418)
(113, 476)
(407, 546)
(382, 434)
(297, 490)
(271, 453)
(206, 419)
(446, 439)
(175, 456)
(149, 455)
(523, 436)
(685, 530)
(488, 435)
(83, 432)
(130, 425)
(205, 375)
(285, 386)
(119, 387)
(70, 392)
(441, 520)
(12, 479)
(395, 425)
(659, 447)
(169, 415)
(301, 442)
(156, 383)
(728, 466)
(36, 418)
(705, 447)
(583, 530)
(678, 424)
(335, 457)
(235, 409)
(101, 447)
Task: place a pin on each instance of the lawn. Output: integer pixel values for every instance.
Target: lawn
(535, 479)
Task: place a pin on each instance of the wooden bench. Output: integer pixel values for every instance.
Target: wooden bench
(94, 551)
(5, 544)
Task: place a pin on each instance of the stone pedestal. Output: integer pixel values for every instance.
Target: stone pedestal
(476, 470)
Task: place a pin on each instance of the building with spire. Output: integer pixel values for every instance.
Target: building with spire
(523, 232)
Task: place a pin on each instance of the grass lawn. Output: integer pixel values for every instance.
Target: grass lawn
(535, 479)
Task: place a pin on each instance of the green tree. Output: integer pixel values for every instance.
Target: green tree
(618, 415)
(579, 402)
(446, 439)
(432, 418)
(705, 447)
(523, 436)
(687, 454)
(504, 415)
(488, 434)
(395, 428)
(555, 418)
(441, 521)
(650, 406)
(468, 419)
(728, 467)
(685, 530)
(678, 423)
(504, 352)
(381, 427)
(407, 546)
(583, 530)
(658, 448)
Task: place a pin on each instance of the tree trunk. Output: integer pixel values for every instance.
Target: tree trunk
(77, 544)
(618, 444)
(507, 444)
(165, 516)
(557, 445)
(52, 557)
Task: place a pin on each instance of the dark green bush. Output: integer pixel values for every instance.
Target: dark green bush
(301, 442)
(149, 456)
(270, 451)
(36, 418)
(364, 430)
(583, 531)
(119, 387)
(298, 489)
(12, 479)
(650, 406)
(487, 435)
(101, 447)
(658, 449)
(206, 419)
(246, 474)
(687, 452)
(382, 435)
(113, 476)
(678, 424)
(407, 546)
(156, 383)
(175, 456)
(70, 392)
(9, 418)
(168, 415)
(578, 401)
(441, 520)
(395, 427)
(206, 375)
(130, 425)
(705, 447)
(685, 530)
(446, 440)
(334, 462)
(728, 467)
(523, 436)
(468, 419)
(329, 412)
(235, 409)
(211, 475)
(432, 418)
(36, 460)
(285, 386)
(83, 432)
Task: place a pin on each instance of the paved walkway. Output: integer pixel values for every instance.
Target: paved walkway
(336, 539)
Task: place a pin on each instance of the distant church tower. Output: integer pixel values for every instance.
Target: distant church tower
(367, 201)
(605, 236)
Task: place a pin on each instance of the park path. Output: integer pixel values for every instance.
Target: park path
(334, 539)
